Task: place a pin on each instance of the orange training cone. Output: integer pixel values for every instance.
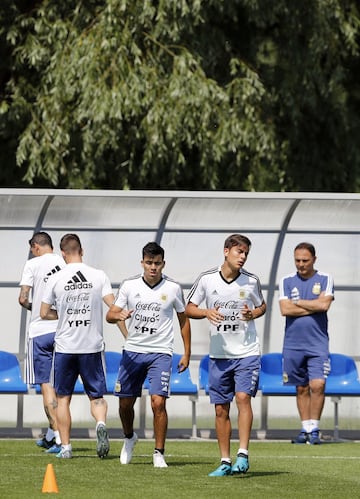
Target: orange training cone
(49, 484)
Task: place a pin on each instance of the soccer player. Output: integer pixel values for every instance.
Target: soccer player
(40, 340)
(305, 297)
(149, 300)
(233, 300)
(78, 291)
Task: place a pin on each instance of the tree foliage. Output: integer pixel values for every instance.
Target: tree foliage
(183, 94)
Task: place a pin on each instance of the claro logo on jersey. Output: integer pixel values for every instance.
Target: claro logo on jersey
(78, 281)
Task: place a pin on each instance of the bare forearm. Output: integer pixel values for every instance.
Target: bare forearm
(24, 298)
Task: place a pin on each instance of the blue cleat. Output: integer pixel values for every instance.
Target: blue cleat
(55, 449)
(223, 470)
(241, 465)
(302, 438)
(314, 438)
(46, 444)
(64, 454)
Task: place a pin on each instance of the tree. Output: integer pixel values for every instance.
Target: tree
(180, 94)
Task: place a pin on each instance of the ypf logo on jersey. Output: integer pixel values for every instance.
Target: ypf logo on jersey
(78, 281)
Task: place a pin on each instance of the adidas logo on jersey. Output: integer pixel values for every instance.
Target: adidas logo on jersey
(78, 281)
(52, 272)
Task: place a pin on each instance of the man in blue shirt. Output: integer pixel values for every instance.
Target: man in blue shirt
(305, 297)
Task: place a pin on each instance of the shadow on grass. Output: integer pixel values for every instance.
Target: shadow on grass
(256, 474)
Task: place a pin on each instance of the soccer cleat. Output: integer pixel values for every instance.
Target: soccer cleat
(223, 470)
(158, 460)
(127, 449)
(46, 444)
(241, 465)
(64, 454)
(102, 445)
(314, 437)
(55, 449)
(302, 438)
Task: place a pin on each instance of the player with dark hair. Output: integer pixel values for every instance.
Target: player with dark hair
(233, 300)
(40, 340)
(150, 300)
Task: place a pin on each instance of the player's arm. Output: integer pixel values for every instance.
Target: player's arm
(320, 304)
(48, 313)
(24, 297)
(250, 314)
(212, 314)
(291, 309)
(185, 330)
(115, 314)
(109, 300)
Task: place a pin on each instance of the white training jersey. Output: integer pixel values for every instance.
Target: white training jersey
(78, 291)
(150, 327)
(36, 273)
(233, 337)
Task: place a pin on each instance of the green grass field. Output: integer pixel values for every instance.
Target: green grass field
(277, 470)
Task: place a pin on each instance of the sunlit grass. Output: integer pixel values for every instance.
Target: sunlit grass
(277, 470)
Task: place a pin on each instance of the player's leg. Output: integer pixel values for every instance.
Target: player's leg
(128, 388)
(246, 375)
(92, 372)
(65, 373)
(39, 364)
(221, 391)
(295, 373)
(319, 368)
(159, 370)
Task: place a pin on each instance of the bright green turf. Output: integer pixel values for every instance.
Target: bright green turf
(277, 470)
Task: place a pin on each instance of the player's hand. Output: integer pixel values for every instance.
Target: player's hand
(125, 314)
(183, 363)
(214, 316)
(246, 313)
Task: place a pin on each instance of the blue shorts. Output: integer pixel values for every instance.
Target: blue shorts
(228, 376)
(91, 368)
(39, 355)
(135, 367)
(299, 368)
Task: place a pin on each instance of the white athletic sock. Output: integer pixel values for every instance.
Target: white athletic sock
(243, 451)
(315, 424)
(49, 435)
(57, 437)
(306, 425)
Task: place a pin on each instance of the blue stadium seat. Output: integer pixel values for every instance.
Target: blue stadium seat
(204, 374)
(181, 382)
(11, 380)
(271, 376)
(112, 360)
(343, 380)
